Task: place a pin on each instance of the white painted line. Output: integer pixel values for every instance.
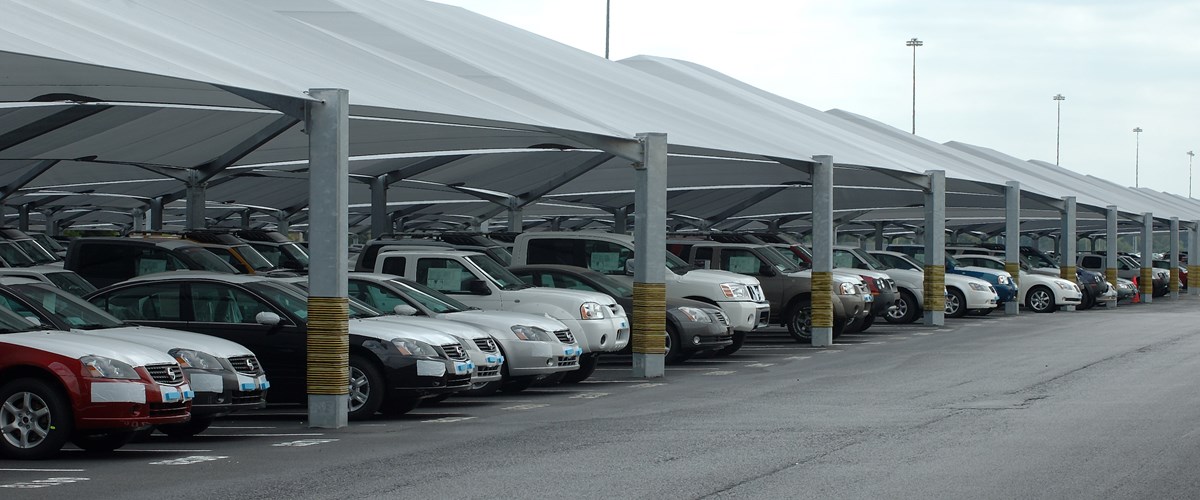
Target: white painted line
(828, 352)
(43, 483)
(370, 425)
(263, 435)
(42, 470)
(924, 333)
(874, 343)
(796, 358)
(647, 385)
(132, 449)
(589, 395)
(525, 407)
(759, 365)
(195, 459)
(238, 427)
(897, 338)
(305, 442)
(446, 420)
(608, 381)
(721, 372)
(509, 400)
(944, 330)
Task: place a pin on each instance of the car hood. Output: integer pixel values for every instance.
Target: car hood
(74, 345)
(961, 280)
(504, 320)
(164, 340)
(386, 331)
(460, 330)
(718, 276)
(555, 295)
(982, 270)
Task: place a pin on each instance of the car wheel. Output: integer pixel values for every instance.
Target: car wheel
(906, 309)
(366, 388)
(799, 322)
(399, 405)
(1087, 302)
(1040, 300)
(864, 324)
(739, 338)
(956, 304)
(187, 429)
(35, 418)
(673, 353)
(101, 441)
(587, 366)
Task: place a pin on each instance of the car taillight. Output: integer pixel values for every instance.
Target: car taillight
(871, 284)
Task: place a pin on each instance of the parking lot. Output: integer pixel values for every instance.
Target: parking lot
(1101, 400)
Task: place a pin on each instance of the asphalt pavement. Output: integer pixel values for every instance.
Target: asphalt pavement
(1087, 404)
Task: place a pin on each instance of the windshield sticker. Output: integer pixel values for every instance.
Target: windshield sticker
(446, 280)
(605, 261)
(150, 266)
(742, 264)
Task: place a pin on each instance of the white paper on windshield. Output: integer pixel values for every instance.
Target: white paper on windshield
(428, 368)
(605, 261)
(446, 280)
(149, 266)
(742, 264)
(118, 392)
(206, 382)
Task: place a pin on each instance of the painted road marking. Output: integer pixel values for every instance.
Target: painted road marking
(759, 365)
(44, 483)
(42, 470)
(721, 372)
(647, 385)
(525, 407)
(589, 395)
(828, 352)
(796, 358)
(447, 420)
(194, 459)
(608, 381)
(878, 342)
(305, 442)
(264, 435)
(238, 427)
(924, 333)
(944, 330)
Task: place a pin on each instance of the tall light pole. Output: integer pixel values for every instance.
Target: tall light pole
(1137, 153)
(914, 43)
(607, 23)
(1190, 156)
(1059, 98)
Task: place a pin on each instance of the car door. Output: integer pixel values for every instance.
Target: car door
(228, 311)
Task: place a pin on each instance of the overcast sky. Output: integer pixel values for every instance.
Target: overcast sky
(986, 74)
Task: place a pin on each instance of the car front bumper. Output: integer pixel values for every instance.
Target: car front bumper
(536, 358)
(745, 315)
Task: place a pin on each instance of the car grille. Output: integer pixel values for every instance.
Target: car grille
(166, 374)
(177, 409)
(247, 365)
(756, 293)
(565, 336)
(720, 316)
(487, 372)
(486, 344)
(568, 360)
(887, 284)
(455, 352)
(862, 288)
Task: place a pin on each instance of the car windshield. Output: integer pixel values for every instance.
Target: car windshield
(207, 260)
(293, 297)
(1036, 259)
(434, 300)
(499, 275)
(781, 262)
(871, 261)
(903, 262)
(11, 322)
(36, 251)
(252, 257)
(71, 282)
(75, 311)
(792, 255)
(47, 242)
(501, 254)
(13, 255)
(296, 252)
(951, 261)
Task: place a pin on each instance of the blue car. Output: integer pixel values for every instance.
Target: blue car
(1006, 289)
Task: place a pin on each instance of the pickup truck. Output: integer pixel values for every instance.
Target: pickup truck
(739, 297)
(596, 321)
(1128, 268)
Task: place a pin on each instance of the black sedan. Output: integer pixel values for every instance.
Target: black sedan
(692, 326)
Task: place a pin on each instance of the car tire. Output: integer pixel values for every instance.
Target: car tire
(187, 429)
(101, 441)
(399, 405)
(906, 310)
(799, 321)
(863, 325)
(1087, 301)
(956, 304)
(674, 354)
(366, 388)
(49, 431)
(1040, 299)
(587, 366)
(739, 338)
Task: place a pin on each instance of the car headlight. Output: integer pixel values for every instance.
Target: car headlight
(1002, 279)
(1097, 279)
(1065, 285)
(977, 287)
(591, 310)
(694, 314)
(526, 332)
(413, 347)
(846, 289)
(102, 367)
(195, 359)
(735, 291)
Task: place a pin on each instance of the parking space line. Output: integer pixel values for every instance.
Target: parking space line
(828, 351)
(796, 358)
(447, 420)
(759, 365)
(305, 442)
(721, 372)
(525, 407)
(145, 450)
(588, 395)
(298, 434)
(195, 459)
(43, 470)
(647, 385)
(44, 483)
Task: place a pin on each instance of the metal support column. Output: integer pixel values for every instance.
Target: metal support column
(1193, 258)
(650, 264)
(282, 224)
(1012, 238)
(822, 251)
(516, 224)
(380, 222)
(935, 249)
(879, 243)
(1174, 256)
(1146, 277)
(328, 126)
(138, 216)
(246, 219)
(620, 221)
(23, 217)
(156, 214)
(195, 201)
(1068, 240)
(1110, 247)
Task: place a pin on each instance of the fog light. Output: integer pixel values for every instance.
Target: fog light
(603, 339)
(696, 340)
(549, 362)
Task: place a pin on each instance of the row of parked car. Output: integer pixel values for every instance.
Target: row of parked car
(217, 312)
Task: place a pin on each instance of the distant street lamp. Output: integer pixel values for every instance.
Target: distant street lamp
(1190, 156)
(1058, 127)
(1137, 152)
(914, 43)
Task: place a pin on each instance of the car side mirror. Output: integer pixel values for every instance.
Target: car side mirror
(478, 287)
(34, 319)
(267, 318)
(405, 310)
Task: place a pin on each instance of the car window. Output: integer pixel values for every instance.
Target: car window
(434, 300)
(221, 303)
(152, 302)
(377, 296)
(71, 282)
(227, 255)
(843, 258)
(73, 310)
(1092, 262)
(394, 264)
(154, 260)
(741, 261)
(444, 275)
(14, 305)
